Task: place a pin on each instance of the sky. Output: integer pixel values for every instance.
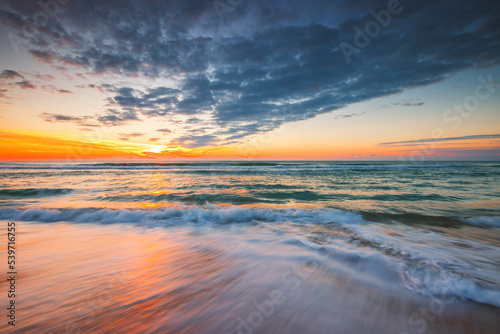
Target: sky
(239, 79)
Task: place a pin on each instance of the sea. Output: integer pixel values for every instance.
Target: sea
(253, 246)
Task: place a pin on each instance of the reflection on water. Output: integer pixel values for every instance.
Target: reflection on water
(430, 188)
(262, 247)
(83, 278)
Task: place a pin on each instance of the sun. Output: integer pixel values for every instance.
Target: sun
(156, 148)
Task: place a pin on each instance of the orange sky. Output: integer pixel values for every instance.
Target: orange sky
(72, 148)
(36, 146)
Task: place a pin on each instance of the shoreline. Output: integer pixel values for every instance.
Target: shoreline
(205, 280)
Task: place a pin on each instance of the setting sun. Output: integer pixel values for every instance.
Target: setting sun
(156, 148)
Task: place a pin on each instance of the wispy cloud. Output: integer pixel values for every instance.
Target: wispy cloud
(403, 104)
(9, 74)
(349, 115)
(82, 121)
(34, 81)
(127, 136)
(164, 131)
(432, 140)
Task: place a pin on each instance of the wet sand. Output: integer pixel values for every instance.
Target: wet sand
(89, 278)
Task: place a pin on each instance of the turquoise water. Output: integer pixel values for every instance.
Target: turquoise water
(427, 229)
(444, 191)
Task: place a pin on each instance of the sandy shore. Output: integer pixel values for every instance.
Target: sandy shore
(86, 278)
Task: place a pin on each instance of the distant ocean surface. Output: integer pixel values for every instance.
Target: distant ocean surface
(419, 232)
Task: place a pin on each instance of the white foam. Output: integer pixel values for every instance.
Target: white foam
(440, 283)
(184, 214)
(484, 221)
(422, 270)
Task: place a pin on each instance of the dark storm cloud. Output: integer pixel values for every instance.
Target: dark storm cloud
(264, 63)
(431, 140)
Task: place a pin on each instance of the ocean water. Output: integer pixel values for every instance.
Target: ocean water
(255, 247)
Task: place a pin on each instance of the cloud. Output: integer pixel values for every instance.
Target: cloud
(32, 80)
(193, 141)
(25, 84)
(410, 104)
(349, 115)
(432, 140)
(164, 131)
(273, 62)
(127, 136)
(133, 134)
(49, 117)
(9, 74)
(114, 117)
(12, 75)
(406, 103)
(83, 121)
(64, 91)
(53, 89)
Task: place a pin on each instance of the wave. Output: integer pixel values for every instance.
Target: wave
(234, 199)
(437, 280)
(211, 213)
(33, 192)
(352, 239)
(184, 214)
(483, 221)
(432, 277)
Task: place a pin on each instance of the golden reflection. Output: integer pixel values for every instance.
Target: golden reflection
(113, 279)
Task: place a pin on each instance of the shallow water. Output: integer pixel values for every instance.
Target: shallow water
(282, 247)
